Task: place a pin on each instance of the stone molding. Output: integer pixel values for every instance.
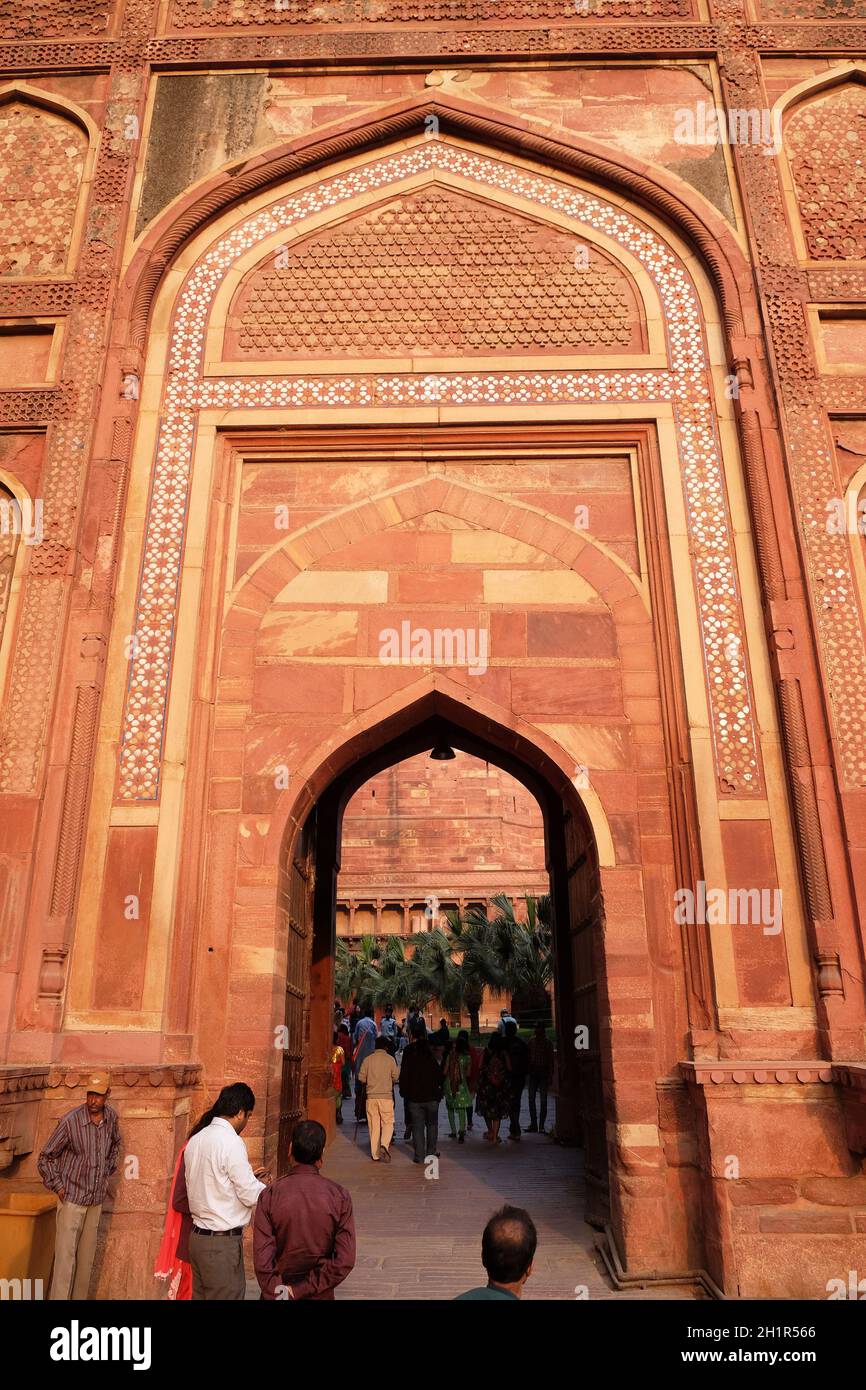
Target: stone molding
(14, 1079)
(794, 1073)
(21, 1091)
(848, 1077)
(172, 230)
(129, 1076)
(650, 38)
(24, 1089)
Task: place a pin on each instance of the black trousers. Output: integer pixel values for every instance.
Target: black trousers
(517, 1085)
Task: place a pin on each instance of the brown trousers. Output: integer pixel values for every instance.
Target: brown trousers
(217, 1268)
(74, 1249)
(380, 1118)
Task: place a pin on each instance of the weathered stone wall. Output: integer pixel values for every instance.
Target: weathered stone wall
(462, 830)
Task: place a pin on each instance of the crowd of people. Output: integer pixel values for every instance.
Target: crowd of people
(427, 1067)
(303, 1223)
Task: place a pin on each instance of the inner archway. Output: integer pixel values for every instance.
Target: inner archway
(426, 843)
(571, 860)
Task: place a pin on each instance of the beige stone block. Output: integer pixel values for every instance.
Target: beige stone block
(336, 586)
(302, 632)
(547, 586)
(602, 749)
(491, 548)
(253, 960)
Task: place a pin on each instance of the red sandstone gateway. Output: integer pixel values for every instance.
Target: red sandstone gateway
(461, 332)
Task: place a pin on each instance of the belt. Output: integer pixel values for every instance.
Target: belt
(235, 1231)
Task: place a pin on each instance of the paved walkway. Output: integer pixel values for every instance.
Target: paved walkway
(420, 1238)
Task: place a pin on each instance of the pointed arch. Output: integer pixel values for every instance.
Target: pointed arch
(801, 92)
(707, 231)
(184, 309)
(71, 178)
(13, 559)
(435, 696)
(306, 841)
(273, 304)
(310, 544)
(819, 175)
(51, 101)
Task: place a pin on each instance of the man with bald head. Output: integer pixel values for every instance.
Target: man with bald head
(507, 1251)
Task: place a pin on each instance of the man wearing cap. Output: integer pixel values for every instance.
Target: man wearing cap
(76, 1163)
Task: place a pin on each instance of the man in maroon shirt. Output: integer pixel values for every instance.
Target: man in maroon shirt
(304, 1230)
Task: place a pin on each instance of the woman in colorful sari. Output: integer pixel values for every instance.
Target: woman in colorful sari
(494, 1087)
(458, 1099)
(344, 1038)
(338, 1059)
(172, 1261)
(476, 1056)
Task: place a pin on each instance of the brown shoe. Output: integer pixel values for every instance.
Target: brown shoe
(386, 1154)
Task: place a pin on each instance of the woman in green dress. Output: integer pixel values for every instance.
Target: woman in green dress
(458, 1097)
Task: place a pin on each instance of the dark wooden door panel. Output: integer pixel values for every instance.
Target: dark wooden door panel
(293, 1088)
(586, 966)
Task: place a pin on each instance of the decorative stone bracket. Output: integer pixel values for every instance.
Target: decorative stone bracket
(123, 1076)
(848, 1077)
(852, 1083)
(21, 1090)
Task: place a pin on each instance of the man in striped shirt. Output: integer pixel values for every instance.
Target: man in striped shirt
(76, 1163)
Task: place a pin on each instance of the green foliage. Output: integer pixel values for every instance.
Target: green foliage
(456, 964)
(356, 973)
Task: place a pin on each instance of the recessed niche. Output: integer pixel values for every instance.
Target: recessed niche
(843, 338)
(25, 354)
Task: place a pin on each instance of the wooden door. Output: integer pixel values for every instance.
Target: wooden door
(297, 895)
(584, 900)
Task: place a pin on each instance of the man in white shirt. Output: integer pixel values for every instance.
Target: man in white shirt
(505, 1017)
(222, 1191)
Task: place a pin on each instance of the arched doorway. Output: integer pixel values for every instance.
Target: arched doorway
(309, 888)
(562, 505)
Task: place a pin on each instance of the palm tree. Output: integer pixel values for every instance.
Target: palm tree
(522, 959)
(434, 973)
(395, 981)
(356, 973)
(472, 944)
(454, 966)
